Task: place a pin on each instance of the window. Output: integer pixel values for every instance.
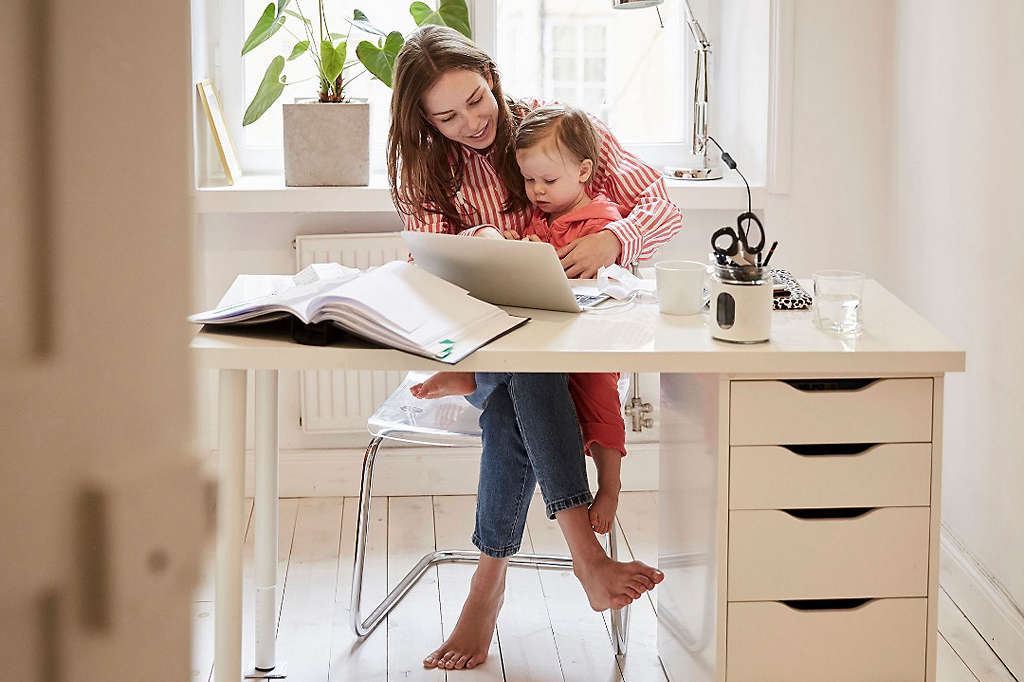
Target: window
(260, 143)
(576, 72)
(619, 65)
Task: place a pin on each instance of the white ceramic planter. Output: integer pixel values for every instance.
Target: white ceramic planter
(327, 143)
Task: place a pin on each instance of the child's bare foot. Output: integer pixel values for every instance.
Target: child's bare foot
(444, 384)
(614, 584)
(470, 641)
(602, 511)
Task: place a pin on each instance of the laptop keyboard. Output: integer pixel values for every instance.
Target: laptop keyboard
(586, 299)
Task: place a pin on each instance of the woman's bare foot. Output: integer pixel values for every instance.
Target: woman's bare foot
(614, 584)
(444, 384)
(602, 511)
(470, 641)
(608, 584)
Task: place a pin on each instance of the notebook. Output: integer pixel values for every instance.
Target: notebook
(397, 304)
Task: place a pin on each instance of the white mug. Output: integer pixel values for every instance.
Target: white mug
(680, 286)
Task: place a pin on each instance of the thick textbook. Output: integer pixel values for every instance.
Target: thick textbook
(396, 304)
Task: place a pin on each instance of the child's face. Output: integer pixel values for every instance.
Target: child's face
(554, 180)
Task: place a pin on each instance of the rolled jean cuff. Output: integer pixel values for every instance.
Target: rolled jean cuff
(569, 502)
(507, 551)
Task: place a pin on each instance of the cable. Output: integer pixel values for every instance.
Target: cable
(728, 161)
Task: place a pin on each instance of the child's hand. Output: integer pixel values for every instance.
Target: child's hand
(510, 234)
(531, 238)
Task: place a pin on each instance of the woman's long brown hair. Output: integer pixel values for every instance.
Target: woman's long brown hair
(425, 168)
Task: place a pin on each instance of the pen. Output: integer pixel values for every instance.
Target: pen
(769, 256)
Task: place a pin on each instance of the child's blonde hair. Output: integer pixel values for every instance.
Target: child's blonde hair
(568, 127)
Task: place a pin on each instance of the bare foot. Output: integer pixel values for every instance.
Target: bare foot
(602, 511)
(613, 584)
(445, 383)
(470, 641)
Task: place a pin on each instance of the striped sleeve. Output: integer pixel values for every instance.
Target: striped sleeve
(428, 222)
(625, 179)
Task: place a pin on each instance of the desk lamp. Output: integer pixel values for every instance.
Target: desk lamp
(701, 93)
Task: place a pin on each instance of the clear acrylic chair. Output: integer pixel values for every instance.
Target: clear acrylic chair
(444, 422)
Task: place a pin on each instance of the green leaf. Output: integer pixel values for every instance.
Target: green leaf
(281, 4)
(298, 16)
(332, 61)
(336, 36)
(381, 61)
(269, 24)
(270, 89)
(362, 22)
(451, 13)
(299, 49)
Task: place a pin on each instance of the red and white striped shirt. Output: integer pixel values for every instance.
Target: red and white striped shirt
(622, 177)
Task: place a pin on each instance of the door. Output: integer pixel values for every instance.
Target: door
(102, 512)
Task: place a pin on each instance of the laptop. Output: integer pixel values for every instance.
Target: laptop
(502, 271)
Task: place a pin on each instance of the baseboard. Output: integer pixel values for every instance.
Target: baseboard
(984, 601)
(413, 471)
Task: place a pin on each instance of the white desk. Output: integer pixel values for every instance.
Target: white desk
(736, 565)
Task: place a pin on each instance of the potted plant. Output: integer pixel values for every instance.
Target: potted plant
(326, 142)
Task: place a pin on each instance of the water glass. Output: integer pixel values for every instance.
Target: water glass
(837, 301)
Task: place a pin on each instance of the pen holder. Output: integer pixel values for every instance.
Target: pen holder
(741, 304)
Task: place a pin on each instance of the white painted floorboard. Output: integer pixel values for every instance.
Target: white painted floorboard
(546, 630)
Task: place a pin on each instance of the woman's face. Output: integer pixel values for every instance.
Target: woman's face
(462, 108)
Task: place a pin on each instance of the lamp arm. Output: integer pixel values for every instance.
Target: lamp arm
(695, 29)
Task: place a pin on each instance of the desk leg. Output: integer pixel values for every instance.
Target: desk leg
(265, 524)
(230, 492)
(692, 525)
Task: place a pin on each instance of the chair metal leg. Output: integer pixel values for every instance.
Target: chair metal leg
(619, 617)
(364, 626)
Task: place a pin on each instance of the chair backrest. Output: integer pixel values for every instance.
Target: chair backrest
(443, 422)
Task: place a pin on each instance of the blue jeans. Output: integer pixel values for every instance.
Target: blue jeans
(530, 435)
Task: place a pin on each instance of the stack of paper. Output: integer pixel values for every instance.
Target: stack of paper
(397, 304)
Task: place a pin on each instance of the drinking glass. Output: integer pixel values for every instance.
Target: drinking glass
(837, 301)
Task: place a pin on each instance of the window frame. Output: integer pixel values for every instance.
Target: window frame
(579, 54)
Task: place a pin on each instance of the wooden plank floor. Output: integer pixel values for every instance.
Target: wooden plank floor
(546, 630)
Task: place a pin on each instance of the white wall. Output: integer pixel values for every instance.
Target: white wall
(831, 216)
(955, 219)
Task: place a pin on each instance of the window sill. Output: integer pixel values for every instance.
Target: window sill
(268, 194)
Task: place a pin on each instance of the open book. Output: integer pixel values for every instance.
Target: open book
(396, 304)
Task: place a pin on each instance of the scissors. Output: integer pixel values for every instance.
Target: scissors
(739, 247)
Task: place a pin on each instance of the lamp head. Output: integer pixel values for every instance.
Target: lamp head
(634, 4)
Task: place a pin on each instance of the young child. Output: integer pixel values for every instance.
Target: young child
(556, 149)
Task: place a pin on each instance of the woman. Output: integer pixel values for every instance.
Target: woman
(451, 165)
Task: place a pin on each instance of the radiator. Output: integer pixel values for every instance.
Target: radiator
(336, 401)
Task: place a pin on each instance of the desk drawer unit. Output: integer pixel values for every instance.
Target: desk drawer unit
(830, 411)
(809, 476)
(879, 640)
(829, 522)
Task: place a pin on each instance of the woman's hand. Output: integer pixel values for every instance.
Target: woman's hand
(510, 234)
(584, 256)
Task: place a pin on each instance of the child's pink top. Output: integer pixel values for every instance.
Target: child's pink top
(584, 221)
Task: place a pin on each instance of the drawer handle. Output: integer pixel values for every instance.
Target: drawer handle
(825, 604)
(836, 513)
(815, 385)
(831, 449)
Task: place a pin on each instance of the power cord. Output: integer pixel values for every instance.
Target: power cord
(728, 161)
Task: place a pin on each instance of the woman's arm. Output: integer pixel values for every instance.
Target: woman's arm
(653, 218)
(427, 222)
